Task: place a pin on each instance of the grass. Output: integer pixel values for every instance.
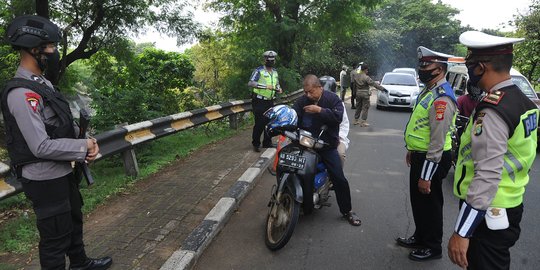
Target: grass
(18, 233)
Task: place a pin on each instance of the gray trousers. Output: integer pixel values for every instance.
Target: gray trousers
(362, 105)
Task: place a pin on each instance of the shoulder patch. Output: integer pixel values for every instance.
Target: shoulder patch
(441, 90)
(477, 129)
(32, 99)
(440, 107)
(530, 123)
(494, 98)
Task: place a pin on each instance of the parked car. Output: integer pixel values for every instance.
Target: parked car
(411, 71)
(402, 89)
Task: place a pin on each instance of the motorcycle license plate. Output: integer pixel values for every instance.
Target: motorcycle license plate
(293, 161)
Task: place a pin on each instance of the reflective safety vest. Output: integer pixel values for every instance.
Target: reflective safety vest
(518, 158)
(267, 78)
(417, 133)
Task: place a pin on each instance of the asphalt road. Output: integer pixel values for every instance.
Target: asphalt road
(378, 178)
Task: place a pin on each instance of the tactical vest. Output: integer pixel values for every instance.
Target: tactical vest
(417, 133)
(18, 149)
(267, 78)
(521, 116)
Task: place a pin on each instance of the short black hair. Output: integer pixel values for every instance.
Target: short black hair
(499, 63)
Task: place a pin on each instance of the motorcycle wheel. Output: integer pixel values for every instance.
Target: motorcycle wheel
(280, 226)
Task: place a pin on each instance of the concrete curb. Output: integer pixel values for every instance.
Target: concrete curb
(197, 241)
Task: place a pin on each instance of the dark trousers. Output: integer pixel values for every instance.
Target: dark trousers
(333, 164)
(57, 204)
(259, 107)
(490, 249)
(362, 105)
(343, 92)
(427, 209)
(353, 94)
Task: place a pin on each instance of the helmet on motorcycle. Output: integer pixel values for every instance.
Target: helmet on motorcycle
(280, 116)
(31, 31)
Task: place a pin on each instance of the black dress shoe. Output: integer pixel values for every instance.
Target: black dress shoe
(256, 149)
(424, 254)
(93, 264)
(410, 242)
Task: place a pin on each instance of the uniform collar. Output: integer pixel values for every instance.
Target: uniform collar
(24, 73)
(500, 85)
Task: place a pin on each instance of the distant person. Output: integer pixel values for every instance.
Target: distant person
(467, 103)
(316, 109)
(264, 83)
(362, 83)
(498, 149)
(42, 144)
(428, 142)
(344, 82)
(353, 74)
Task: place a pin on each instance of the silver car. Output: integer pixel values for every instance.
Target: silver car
(402, 91)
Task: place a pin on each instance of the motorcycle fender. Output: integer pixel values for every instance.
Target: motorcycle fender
(293, 182)
(299, 196)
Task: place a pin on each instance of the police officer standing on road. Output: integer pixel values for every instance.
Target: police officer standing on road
(264, 82)
(428, 142)
(41, 142)
(362, 84)
(497, 151)
(344, 81)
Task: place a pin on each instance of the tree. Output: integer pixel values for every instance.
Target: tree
(527, 53)
(90, 26)
(285, 25)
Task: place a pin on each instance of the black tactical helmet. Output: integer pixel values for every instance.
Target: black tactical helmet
(31, 31)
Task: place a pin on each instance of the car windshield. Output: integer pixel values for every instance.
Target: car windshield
(406, 71)
(524, 85)
(399, 79)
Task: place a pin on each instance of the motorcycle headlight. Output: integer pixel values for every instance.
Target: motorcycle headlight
(307, 141)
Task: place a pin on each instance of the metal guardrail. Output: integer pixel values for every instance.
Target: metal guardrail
(123, 139)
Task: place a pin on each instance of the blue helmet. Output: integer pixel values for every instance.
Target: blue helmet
(280, 116)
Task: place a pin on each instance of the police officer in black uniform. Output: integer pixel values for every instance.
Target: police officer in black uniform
(41, 142)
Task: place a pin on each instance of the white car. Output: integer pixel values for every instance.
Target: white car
(411, 71)
(402, 91)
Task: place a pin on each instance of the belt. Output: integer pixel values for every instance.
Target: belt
(263, 97)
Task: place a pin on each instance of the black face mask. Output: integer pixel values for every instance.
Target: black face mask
(269, 63)
(52, 66)
(425, 76)
(474, 79)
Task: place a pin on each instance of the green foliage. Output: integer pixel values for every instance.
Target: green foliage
(527, 53)
(145, 86)
(399, 27)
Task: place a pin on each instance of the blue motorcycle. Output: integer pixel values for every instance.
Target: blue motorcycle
(302, 181)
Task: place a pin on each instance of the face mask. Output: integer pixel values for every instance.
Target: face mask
(474, 79)
(474, 91)
(269, 63)
(52, 66)
(425, 76)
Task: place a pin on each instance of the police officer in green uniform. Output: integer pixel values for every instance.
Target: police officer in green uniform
(362, 84)
(41, 142)
(428, 142)
(497, 150)
(264, 83)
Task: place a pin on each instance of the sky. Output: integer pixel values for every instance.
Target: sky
(479, 14)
